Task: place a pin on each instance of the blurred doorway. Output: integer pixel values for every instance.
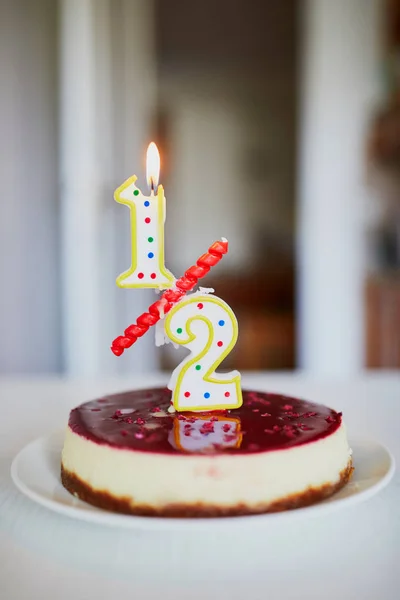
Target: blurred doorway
(226, 122)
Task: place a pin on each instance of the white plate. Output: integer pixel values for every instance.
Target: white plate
(36, 472)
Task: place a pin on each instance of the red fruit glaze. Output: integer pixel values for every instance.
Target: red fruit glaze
(261, 431)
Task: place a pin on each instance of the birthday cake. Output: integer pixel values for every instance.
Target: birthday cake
(127, 453)
(201, 447)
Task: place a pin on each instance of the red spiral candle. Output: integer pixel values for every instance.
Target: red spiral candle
(160, 308)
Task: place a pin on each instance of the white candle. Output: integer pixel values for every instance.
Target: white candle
(207, 326)
(147, 268)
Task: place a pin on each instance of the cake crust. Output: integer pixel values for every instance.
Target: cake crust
(106, 501)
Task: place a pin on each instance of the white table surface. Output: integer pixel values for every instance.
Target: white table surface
(351, 554)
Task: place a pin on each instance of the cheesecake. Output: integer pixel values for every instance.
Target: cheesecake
(129, 454)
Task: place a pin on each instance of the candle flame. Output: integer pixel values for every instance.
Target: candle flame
(152, 166)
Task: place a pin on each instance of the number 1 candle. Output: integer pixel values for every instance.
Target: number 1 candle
(147, 268)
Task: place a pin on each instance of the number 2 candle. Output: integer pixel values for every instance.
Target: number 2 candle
(147, 268)
(207, 326)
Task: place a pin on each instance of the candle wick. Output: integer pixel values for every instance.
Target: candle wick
(152, 187)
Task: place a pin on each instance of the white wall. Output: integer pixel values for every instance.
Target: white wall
(29, 227)
(231, 150)
(340, 87)
(107, 95)
(207, 199)
(82, 73)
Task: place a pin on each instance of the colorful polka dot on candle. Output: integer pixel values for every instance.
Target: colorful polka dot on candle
(136, 192)
(147, 220)
(153, 275)
(227, 394)
(219, 344)
(200, 305)
(150, 239)
(207, 395)
(179, 330)
(140, 275)
(151, 255)
(187, 394)
(198, 367)
(221, 323)
(146, 203)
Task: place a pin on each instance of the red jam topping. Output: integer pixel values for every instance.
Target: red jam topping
(150, 428)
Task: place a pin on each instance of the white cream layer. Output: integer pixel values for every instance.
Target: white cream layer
(224, 480)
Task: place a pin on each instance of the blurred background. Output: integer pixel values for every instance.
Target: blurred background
(278, 125)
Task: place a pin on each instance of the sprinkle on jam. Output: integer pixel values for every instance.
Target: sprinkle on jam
(230, 438)
(207, 427)
(304, 427)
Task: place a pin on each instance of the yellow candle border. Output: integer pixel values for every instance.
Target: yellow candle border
(215, 365)
(160, 225)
